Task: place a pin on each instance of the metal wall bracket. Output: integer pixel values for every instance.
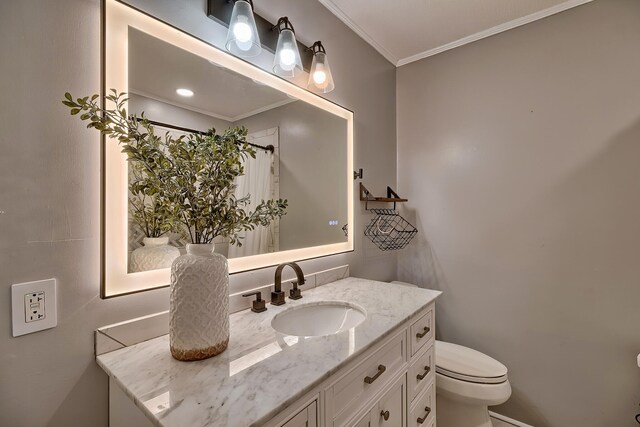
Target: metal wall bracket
(392, 197)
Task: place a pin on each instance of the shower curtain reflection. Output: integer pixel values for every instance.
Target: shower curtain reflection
(261, 182)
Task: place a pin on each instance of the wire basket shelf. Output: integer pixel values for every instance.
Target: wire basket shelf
(389, 231)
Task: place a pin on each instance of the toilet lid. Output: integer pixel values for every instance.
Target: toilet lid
(466, 364)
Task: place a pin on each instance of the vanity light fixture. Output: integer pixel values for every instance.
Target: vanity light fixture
(287, 57)
(242, 36)
(188, 93)
(222, 11)
(320, 79)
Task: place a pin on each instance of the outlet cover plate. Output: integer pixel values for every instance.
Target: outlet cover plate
(21, 294)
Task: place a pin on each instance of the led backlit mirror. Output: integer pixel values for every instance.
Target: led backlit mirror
(303, 143)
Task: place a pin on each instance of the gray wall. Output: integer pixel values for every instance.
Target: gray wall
(313, 156)
(520, 154)
(49, 190)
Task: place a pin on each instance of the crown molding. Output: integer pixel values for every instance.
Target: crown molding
(494, 30)
(359, 31)
(398, 62)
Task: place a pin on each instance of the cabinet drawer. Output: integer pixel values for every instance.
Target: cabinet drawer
(423, 410)
(360, 384)
(421, 331)
(421, 372)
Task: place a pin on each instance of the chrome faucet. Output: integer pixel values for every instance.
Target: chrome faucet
(277, 296)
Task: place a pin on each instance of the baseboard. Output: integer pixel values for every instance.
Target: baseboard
(508, 420)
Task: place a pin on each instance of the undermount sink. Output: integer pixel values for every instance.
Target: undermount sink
(318, 319)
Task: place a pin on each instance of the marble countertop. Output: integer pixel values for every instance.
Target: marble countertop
(261, 372)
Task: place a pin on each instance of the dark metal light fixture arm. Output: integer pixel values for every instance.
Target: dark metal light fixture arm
(283, 24)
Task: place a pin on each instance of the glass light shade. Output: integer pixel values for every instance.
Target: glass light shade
(242, 37)
(287, 57)
(320, 79)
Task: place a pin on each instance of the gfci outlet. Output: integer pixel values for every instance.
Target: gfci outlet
(33, 306)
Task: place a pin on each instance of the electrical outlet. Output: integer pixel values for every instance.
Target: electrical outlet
(34, 309)
(33, 306)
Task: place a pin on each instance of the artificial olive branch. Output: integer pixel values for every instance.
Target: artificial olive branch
(188, 180)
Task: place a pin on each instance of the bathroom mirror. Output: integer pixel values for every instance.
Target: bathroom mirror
(303, 145)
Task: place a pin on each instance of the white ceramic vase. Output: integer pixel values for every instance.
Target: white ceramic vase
(156, 253)
(199, 304)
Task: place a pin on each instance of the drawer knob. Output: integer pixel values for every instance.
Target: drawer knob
(370, 380)
(423, 419)
(424, 332)
(385, 415)
(426, 372)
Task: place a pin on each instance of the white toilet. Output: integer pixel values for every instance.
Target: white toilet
(467, 382)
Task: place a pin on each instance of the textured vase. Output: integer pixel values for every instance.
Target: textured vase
(199, 304)
(156, 253)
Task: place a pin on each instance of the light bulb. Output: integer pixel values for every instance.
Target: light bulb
(287, 59)
(243, 34)
(319, 76)
(242, 30)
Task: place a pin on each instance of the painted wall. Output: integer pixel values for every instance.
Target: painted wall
(312, 163)
(49, 189)
(519, 154)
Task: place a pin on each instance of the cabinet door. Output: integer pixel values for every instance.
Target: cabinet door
(308, 417)
(391, 407)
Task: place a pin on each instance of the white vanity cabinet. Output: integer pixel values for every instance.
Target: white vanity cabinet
(390, 385)
(379, 373)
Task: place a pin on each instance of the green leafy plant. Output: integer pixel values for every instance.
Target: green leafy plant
(202, 185)
(190, 179)
(149, 208)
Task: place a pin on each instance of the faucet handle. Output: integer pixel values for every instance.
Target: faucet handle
(277, 298)
(258, 305)
(294, 293)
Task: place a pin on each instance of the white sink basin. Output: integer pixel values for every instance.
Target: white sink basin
(318, 319)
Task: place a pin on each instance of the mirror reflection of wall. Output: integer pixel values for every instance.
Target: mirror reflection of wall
(312, 161)
(306, 166)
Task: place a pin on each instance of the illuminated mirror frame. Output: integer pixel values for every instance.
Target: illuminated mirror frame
(116, 280)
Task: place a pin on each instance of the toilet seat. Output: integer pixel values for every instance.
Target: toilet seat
(471, 379)
(465, 364)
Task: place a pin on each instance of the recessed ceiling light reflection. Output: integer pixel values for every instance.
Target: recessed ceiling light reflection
(184, 92)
